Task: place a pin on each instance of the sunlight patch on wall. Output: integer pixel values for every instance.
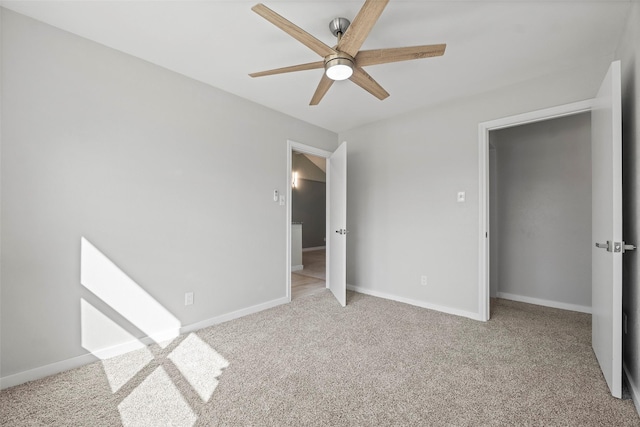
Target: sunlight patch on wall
(101, 335)
(102, 277)
(155, 398)
(105, 339)
(199, 364)
(156, 402)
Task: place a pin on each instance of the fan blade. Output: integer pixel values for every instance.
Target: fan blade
(366, 82)
(383, 56)
(293, 30)
(323, 87)
(362, 24)
(301, 67)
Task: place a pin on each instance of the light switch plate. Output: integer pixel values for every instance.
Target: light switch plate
(188, 298)
(461, 196)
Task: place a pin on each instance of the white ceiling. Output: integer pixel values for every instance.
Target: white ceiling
(489, 44)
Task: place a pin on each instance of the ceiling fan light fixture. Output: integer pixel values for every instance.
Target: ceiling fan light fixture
(339, 68)
(339, 61)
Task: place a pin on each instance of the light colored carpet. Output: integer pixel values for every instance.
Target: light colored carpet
(372, 363)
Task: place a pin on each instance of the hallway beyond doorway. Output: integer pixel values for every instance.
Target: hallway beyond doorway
(312, 278)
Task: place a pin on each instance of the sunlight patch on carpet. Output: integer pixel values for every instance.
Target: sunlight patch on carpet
(199, 364)
(156, 402)
(120, 370)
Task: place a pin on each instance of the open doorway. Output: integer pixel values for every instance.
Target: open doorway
(540, 213)
(607, 243)
(308, 224)
(485, 261)
(336, 217)
(308, 271)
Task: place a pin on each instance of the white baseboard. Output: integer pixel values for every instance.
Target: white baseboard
(76, 362)
(545, 303)
(315, 248)
(423, 304)
(46, 370)
(635, 393)
(297, 267)
(126, 347)
(233, 315)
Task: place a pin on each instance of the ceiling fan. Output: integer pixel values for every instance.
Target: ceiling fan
(345, 60)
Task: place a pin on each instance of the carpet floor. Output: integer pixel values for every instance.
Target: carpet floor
(373, 363)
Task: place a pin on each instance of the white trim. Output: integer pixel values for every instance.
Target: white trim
(297, 267)
(635, 393)
(46, 370)
(483, 195)
(315, 248)
(233, 315)
(483, 238)
(545, 303)
(327, 226)
(76, 362)
(307, 149)
(287, 256)
(422, 304)
(126, 347)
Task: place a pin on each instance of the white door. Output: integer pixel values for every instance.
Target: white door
(337, 226)
(606, 231)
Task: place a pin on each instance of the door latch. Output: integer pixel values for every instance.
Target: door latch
(626, 247)
(619, 247)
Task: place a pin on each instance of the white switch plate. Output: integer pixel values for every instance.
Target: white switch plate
(282, 200)
(188, 298)
(461, 196)
(423, 280)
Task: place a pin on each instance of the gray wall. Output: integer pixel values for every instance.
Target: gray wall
(309, 207)
(542, 210)
(144, 164)
(306, 168)
(404, 174)
(309, 201)
(629, 54)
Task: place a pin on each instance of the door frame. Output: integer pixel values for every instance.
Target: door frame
(306, 149)
(483, 194)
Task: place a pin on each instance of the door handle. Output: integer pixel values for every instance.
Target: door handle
(342, 231)
(604, 245)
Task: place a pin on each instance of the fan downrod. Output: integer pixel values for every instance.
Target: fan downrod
(338, 26)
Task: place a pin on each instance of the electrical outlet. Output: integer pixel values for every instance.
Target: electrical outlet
(188, 298)
(423, 280)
